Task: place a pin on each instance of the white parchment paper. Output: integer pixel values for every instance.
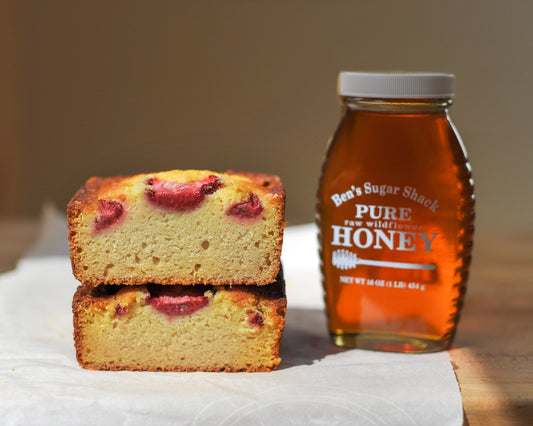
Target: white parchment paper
(317, 383)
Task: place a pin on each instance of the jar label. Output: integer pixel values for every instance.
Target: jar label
(375, 227)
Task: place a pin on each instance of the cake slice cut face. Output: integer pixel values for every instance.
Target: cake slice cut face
(179, 328)
(178, 227)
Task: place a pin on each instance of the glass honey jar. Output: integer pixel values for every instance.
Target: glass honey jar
(395, 214)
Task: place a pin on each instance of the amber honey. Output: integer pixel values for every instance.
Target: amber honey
(395, 214)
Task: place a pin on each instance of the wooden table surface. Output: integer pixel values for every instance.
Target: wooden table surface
(493, 351)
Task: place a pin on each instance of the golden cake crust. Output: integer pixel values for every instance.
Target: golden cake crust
(86, 197)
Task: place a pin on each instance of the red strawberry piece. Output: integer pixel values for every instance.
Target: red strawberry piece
(255, 319)
(180, 196)
(109, 212)
(174, 301)
(120, 310)
(249, 209)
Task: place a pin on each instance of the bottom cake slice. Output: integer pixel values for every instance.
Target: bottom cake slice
(179, 328)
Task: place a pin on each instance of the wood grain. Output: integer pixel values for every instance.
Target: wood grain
(493, 351)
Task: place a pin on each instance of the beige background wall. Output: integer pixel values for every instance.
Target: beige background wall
(118, 87)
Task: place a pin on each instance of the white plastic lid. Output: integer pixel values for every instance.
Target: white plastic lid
(396, 85)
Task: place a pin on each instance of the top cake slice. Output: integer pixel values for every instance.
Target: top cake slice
(178, 227)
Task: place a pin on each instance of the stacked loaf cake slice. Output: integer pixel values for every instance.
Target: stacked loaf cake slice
(179, 271)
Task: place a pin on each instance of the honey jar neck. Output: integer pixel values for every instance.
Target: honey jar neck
(397, 106)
